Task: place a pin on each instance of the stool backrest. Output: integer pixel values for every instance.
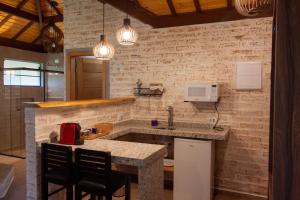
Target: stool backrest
(93, 166)
(57, 159)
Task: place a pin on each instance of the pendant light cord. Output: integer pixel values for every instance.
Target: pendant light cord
(126, 8)
(103, 17)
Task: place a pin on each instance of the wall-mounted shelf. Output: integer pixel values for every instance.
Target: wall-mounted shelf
(147, 92)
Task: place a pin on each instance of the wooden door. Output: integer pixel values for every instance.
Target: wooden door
(285, 110)
(90, 78)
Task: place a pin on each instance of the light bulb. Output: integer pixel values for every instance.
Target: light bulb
(126, 35)
(103, 50)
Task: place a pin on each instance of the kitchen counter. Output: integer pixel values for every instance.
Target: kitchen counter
(127, 153)
(79, 103)
(182, 129)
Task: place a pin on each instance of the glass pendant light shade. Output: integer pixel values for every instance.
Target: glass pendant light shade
(251, 8)
(104, 50)
(127, 35)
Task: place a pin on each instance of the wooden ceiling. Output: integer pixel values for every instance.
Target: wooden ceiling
(22, 20)
(168, 13)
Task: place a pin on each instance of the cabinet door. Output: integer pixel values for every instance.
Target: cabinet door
(193, 169)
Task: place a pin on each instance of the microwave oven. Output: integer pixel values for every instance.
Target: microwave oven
(201, 93)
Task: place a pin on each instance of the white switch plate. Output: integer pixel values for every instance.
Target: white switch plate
(248, 76)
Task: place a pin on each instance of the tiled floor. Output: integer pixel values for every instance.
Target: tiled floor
(20, 152)
(18, 188)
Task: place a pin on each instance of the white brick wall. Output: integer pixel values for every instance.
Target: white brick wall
(174, 56)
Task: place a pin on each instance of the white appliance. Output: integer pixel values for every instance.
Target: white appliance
(193, 169)
(201, 92)
(248, 76)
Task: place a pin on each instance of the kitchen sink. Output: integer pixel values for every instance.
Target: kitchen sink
(162, 128)
(165, 128)
(151, 139)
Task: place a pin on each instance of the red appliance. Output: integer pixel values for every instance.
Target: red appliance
(70, 134)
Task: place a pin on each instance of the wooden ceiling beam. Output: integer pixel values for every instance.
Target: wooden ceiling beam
(133, 10)
(3, 21)
(7, 17)
(21, 4)
(39, 10)
(138, 5)
(21, 45)
(172, 7)
(26, 15)
(36, 39)
(218, 15)
(25, 28)
(197, 6)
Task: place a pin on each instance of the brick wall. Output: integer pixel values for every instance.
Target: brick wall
(174, 56)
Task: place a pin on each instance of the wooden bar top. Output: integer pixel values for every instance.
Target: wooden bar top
(79, 102)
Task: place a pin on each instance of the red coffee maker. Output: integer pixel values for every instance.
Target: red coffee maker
(70, 134)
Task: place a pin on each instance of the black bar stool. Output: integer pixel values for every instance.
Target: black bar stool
(57, 168)
(94, 175)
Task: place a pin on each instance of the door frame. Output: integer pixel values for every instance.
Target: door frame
(72, 53)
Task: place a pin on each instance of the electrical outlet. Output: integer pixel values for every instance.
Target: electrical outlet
(212, 120)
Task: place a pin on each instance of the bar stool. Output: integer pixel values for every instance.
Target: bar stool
(57, 168)
(94, 175)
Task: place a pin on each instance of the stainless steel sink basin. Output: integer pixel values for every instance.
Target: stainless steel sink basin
(150, 139)
(165, 128)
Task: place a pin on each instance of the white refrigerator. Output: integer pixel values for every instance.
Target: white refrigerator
(193, 169)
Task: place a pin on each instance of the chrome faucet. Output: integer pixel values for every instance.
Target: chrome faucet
(170, 110)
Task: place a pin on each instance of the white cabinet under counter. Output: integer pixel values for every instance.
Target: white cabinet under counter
(193, 169)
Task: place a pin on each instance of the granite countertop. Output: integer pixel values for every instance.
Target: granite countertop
(141, 154)
(182, 129)
(127, 153)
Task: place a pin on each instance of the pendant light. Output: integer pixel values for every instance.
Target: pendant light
(126, 35)
(251, 8)
(51, 35)
(103, 50)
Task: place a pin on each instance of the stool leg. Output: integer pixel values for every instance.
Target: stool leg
(77, 193)
(100, 197)
(44, 184)
(108, 196)
(70, 192)
(127, 189)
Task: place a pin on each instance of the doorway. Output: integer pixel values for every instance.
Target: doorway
(87, 76)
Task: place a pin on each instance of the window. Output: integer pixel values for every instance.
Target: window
(22, 73)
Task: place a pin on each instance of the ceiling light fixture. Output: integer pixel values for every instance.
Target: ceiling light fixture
(251, 8)
(126, 35)
(103, 50)
(51, 35)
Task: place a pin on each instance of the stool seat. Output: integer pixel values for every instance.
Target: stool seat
(117, 181)
(95, 176)
(56, 177)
